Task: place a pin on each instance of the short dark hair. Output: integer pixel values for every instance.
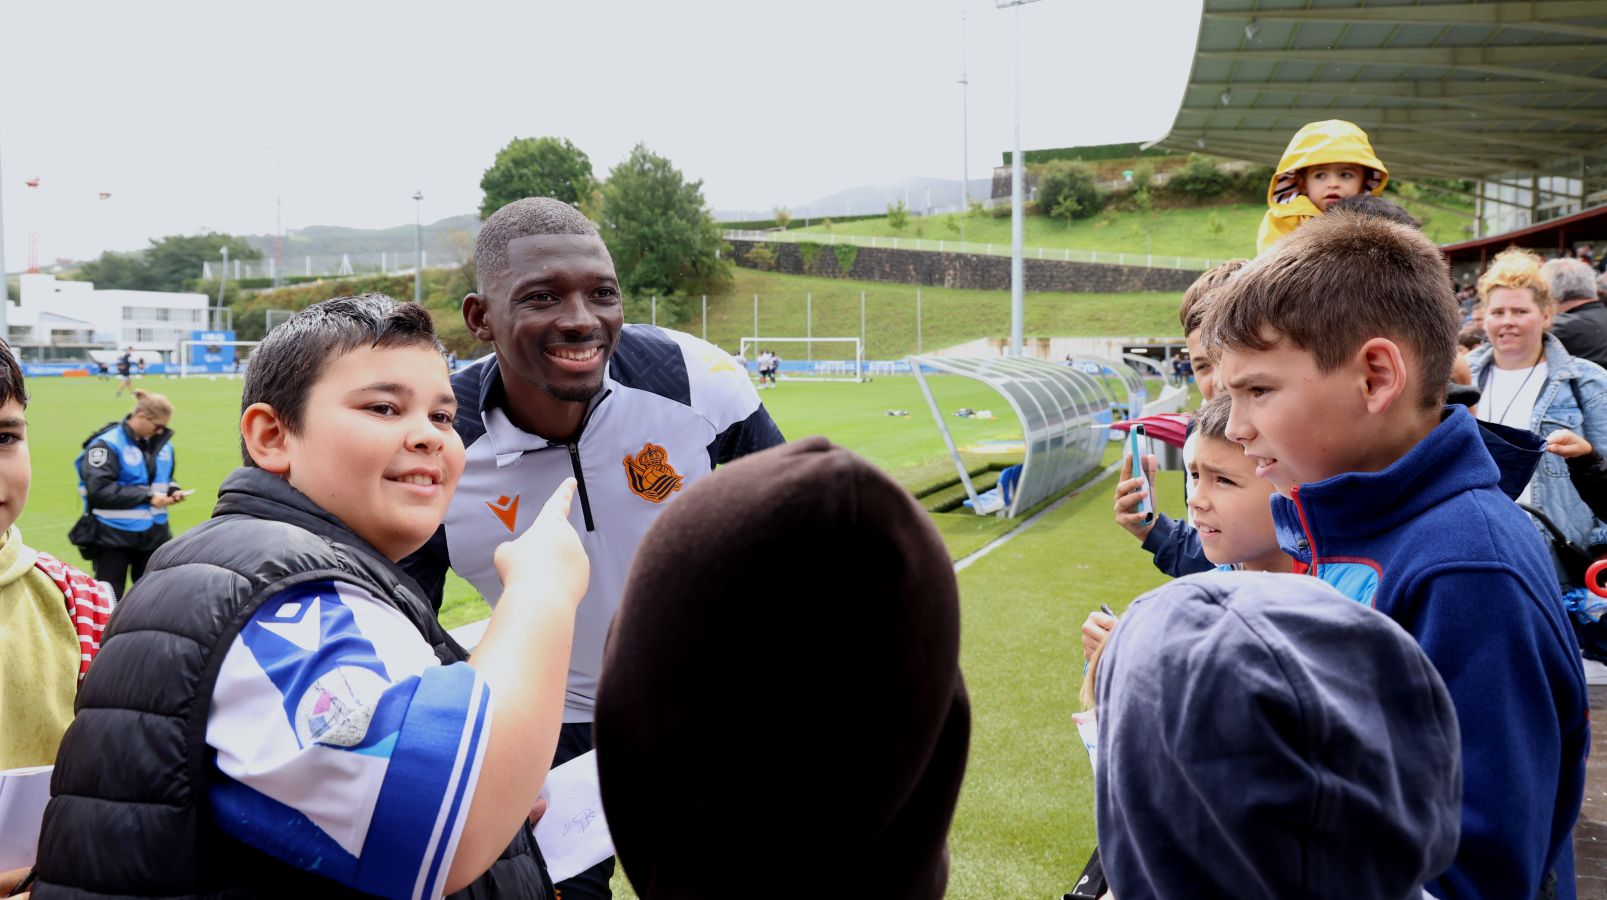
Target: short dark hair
(1212, 419)
(1192, 310)
(284, 367)
(1471, 337)
(1373, 205)
(11, 383)
(523, 218)
(1340, 280)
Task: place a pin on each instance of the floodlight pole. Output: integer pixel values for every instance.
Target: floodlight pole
(223, 281)
(418, 247)
(1017, 176)
(965, 128)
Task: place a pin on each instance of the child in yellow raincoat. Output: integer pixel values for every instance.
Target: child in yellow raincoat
(1324, 163)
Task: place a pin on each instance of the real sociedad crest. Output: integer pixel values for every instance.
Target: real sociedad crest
(650, 474)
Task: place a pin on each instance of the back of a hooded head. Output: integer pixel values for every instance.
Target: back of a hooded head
(1262, 736)
(781, 686)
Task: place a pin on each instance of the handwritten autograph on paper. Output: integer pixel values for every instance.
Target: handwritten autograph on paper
(579, 821)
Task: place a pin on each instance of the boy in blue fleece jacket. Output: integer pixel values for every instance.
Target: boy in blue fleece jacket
(1335, 349)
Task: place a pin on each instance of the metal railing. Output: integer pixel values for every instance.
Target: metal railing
(931, 245)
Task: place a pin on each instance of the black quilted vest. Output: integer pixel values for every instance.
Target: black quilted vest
(129, 814)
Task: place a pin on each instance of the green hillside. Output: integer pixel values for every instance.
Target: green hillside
(1212, 232)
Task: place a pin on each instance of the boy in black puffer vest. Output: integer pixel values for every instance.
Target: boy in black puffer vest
(276, 711)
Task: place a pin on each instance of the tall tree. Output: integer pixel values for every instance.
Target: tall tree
(662, 237)
(172, 263)
(536, 167)
(175, 261)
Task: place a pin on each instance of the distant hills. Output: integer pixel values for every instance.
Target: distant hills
(320, 249)
(446, 242)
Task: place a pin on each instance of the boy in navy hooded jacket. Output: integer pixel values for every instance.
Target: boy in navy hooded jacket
(1335, 348)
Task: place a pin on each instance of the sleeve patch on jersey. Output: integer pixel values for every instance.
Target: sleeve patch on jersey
(97, 456)
(338, 706)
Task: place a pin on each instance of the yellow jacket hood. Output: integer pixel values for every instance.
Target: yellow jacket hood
(1317, 144)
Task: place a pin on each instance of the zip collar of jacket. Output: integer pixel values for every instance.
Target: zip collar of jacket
(1357, 506)
(509, 441)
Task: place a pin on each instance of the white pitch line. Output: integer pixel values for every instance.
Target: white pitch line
(1028, 522)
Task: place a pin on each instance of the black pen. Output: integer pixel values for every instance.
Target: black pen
(1104, 608)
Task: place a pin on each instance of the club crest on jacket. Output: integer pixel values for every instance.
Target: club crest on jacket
(650, 474)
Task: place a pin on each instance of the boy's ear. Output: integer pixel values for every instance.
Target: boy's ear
(266, 438)
(1384, 372)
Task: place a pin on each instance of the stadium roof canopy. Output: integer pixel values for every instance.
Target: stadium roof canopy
(1497, 91)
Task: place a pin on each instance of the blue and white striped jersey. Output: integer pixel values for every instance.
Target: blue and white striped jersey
(671, 408)
(347, 749)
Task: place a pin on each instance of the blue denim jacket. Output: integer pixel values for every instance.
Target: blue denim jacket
(1552, 491)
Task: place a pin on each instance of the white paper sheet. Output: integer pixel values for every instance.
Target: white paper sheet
(573, 834)
(1088, 730)
(23, 795)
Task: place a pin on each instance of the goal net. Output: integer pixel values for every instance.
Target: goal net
(214, 357)
(275, 317)
(839, 359)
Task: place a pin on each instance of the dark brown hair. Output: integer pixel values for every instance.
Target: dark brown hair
(1212, 419)
(11, 384)
(1340, 280)
(290, 360)
(1192, 310)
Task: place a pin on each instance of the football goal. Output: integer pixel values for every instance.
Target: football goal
(214, 357)
(843, 360)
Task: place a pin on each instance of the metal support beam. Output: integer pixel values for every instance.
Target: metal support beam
(1414, 88)
(1433, 112)
(1535, 15)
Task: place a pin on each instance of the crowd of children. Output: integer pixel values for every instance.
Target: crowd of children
(1331, 355)
(1364, 680)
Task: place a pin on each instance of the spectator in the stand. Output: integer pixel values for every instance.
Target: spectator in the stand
(1530, 381)
(1581, 319)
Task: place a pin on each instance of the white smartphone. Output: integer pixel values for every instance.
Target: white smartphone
(1138, 444)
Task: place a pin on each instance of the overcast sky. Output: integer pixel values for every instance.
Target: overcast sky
(196, 116)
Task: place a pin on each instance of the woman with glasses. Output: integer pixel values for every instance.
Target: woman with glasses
(125, 476)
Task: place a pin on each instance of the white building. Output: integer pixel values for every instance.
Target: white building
(70, 320)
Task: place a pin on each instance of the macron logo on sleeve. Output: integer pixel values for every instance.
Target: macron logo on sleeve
(506, 510)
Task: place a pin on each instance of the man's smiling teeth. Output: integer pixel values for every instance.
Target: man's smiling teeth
(416, 479)
(576, 355)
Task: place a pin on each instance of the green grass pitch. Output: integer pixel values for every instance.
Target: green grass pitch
(1024, 826)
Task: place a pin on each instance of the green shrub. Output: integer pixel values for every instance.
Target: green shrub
(846, 254)
(809, 250)
(1199, 179)
(1067, 191)
(761, 257)
(898, 216)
